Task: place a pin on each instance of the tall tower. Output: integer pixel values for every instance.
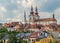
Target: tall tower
(25, 17)
(32, 19)
(54, 19)
(36, 10)
(53, 15)
(36, 14)
(31, 16)
(31, 10)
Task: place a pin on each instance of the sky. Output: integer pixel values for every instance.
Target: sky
(13, 10)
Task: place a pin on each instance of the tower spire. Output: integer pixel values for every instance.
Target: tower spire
(53, 15)
(32, 12)
(31, 8)
(36, 14)
(36, 9)
(24, 16)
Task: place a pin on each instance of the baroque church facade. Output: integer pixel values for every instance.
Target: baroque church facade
(34, 19)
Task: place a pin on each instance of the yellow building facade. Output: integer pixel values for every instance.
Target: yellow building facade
(45, 40)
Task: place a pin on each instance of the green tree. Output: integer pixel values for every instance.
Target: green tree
(2, 35)
(1, 41)
(3, 30)
(11, 34)
(12, 39)
(23, 41)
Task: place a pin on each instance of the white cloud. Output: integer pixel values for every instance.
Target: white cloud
(18, 17)
(27, 3)
(12, 19)
(8, 19)
(3, 9)
(15, 11)
(45, 15)
(18, 1)
(45, 0)
(58, 22)
(57, 14)
(1, 16)
(12, 1)
(57, 11)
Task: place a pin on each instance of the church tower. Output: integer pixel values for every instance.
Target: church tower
(25, 17)
(53, 16)
(31, 16)
(32, 19)
(36, 14)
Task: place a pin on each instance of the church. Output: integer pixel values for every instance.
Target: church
(34, 19)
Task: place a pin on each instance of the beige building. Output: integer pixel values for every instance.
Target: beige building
(45, 40)
(34, 19)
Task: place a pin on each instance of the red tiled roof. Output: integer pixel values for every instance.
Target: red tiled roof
(47, 19)
(34, 35)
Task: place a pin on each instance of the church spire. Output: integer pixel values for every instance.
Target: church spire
(36, 11)
(24, 16)
(32, 12)
(53, 15)
(31, 8)
(36, 14)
